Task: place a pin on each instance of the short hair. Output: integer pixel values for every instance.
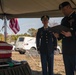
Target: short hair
(44, 16)
(62, 5)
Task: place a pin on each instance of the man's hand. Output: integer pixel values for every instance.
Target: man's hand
(56, 35)
(67, 34)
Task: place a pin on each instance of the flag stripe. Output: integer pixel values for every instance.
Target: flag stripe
(5, 51)
(5, 47)
(5, 55)
(14, 25)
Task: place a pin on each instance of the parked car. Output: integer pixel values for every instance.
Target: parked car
(24, 43)
(13, 46)
(58, 50)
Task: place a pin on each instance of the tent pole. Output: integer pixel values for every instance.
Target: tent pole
(5, 28)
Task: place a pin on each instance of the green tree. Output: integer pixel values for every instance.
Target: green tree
(32, 32)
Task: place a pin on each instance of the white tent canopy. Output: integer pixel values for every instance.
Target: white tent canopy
(31, 8)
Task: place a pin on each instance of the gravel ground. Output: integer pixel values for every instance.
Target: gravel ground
(33, 59)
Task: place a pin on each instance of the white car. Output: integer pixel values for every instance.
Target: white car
(13, 47)
(24, 43)
(58, 50)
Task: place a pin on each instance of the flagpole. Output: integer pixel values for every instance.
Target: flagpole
(5, 28)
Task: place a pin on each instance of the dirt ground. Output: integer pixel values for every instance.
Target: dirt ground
(34, 62)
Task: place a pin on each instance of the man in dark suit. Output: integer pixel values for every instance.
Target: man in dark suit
(46, 43)
(68, 38)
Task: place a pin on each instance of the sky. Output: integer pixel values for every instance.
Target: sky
(27, 23)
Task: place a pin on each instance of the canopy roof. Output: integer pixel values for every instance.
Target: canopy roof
(31, 8)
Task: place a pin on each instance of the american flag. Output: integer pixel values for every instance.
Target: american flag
(13, 24)
(5, 50)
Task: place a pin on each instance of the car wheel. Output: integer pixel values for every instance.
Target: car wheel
(33, 48)
(22, 52)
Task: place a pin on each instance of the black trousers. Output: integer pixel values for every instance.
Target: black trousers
(70, 64)
(47, 61)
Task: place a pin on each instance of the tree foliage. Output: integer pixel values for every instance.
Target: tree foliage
(32, 32)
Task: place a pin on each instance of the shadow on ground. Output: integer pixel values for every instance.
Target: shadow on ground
(36, 72)
(40, 73)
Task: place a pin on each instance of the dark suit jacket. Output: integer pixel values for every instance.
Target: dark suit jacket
(45, 40)
(69, 43)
